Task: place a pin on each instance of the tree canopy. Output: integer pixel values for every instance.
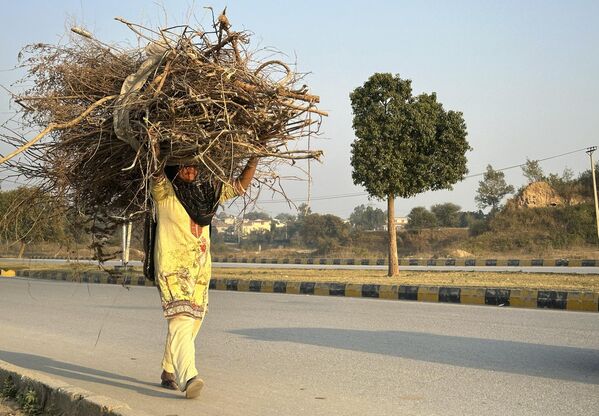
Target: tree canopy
(492, 189)
(404, 145)
(420, 217)
(324, 232)
(532, 171)
(447, 214)
(257, 215)
(366, 218)
(31, 215)
(285, 218)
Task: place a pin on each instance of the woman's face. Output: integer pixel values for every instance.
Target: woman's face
(188, 173)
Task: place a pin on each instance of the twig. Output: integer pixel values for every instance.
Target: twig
(55, 126)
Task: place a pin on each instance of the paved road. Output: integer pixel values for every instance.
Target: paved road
(526, 269)
(272, 354)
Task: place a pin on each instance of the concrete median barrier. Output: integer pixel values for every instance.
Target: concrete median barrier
(571, 300)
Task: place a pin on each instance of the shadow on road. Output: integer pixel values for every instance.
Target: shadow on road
(77, 372)
(562, 363)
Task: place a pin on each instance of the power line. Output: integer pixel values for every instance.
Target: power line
(351, 195)
(357, 194)
(523, 164)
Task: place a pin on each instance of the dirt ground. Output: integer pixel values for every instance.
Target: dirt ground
(9, 408)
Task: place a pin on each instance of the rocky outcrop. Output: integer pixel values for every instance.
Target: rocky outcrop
(538, 195)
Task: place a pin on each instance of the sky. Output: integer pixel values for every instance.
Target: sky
(523, 73)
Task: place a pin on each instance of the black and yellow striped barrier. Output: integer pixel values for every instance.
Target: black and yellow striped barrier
(514, 297)
(87, 277)
(522, 298)
(465, 262)
(414, 262)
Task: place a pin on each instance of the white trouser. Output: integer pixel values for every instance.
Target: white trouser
(179, 351)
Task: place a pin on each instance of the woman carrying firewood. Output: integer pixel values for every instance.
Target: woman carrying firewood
(184, 206)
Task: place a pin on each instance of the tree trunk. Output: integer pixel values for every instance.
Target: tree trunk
(393, 262)
(21, 249)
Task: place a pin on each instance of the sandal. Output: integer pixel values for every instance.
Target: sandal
(169, 384)
(168, 381)
(193, 388)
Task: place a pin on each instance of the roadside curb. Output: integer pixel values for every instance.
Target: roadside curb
(405, 261)
(56, 396)
(463, 262)
(134, 279)
(586, 301)
(571, 300)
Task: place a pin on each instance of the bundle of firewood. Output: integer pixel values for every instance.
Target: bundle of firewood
(200, 95)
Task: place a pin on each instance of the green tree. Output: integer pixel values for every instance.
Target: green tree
(420, 217)
(565, 185)
(532, 171)
(492, 189)
(256, 215)
(221, 215)
(324, 232)
(285, 218)
(302, 211)
(366, 218)
(469, 217)
(585, 179)
(447, 214)
(476, 222)
(29, 215)
(257, 238)
(404, 145)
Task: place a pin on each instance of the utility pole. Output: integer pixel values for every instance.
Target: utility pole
(590, 151)
(126, 231)
(128, 243)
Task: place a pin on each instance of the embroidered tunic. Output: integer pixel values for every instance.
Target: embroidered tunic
(181, 253)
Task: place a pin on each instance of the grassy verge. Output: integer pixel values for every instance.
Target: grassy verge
(565, 281)
(80, 267)
(554, 281)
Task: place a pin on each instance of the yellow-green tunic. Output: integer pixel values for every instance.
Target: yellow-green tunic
(181, 253)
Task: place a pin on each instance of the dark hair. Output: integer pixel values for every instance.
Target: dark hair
(171, 172)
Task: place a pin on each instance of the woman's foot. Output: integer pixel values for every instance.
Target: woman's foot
(168, 381)
(193, 388)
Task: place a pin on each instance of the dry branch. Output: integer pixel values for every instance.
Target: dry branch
(201, 95)
(54, 126)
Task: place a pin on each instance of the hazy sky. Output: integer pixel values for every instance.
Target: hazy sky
(524, 73)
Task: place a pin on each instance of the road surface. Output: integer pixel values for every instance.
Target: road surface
(273, 354)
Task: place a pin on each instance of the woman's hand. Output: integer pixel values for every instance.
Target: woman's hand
(243, 181)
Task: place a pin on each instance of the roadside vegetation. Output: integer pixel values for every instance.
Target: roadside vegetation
(549, 281)
(551, 217)
(18, 403)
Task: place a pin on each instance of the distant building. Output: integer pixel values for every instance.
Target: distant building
(250, 226)
(234, 226)
(400, 222)
(224, 225)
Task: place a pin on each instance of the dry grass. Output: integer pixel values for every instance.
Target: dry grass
(9, 407)
(79, 267)
(439, 278)
(110, 117)
(553, 281)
